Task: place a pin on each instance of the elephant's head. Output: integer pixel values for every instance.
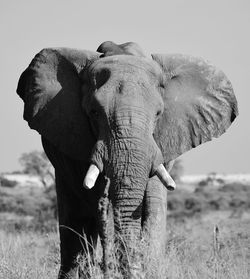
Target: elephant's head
(124, 113)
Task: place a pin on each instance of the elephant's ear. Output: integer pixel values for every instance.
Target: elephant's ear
(51, 90)
(199, 104)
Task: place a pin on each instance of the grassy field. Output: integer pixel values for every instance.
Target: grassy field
(208, 236)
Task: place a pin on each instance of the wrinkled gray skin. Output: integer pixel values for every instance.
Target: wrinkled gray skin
(126, 114)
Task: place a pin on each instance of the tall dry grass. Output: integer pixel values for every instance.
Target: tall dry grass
(194, 250)
(212, 255)
(28, 256)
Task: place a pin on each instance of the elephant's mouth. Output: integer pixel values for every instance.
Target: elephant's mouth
(161, 172)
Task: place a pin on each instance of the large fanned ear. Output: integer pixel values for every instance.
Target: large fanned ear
(51, 90)
(199, 104)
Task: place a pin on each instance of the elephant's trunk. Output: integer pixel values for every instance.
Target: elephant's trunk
(129, 168)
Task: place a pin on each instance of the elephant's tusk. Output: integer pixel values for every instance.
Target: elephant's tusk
(165, 178)
(91, 176)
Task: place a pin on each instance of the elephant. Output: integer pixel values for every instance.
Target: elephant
(112, 122)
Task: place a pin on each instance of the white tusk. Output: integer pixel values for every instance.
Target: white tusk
(165, 178)
(91, 176)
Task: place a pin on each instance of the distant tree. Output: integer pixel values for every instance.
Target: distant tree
(37, 163)
(177, 170)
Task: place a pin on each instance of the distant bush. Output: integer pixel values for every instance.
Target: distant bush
(193, 204)
(38, 203)
(227, 197)
(4, 182)
(212, 179)
(235, 187)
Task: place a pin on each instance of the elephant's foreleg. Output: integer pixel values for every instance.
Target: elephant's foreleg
(77, 209)
(78, 232)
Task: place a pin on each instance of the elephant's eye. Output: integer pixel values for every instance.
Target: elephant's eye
(158, 113)
(161, 85)
(162, 82)
(157, 116)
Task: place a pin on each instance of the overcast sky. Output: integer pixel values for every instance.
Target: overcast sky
(217, 30)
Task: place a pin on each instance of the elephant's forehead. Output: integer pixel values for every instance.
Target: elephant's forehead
(127, 64)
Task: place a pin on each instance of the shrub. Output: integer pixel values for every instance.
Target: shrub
(4, 182)
(38, 203)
